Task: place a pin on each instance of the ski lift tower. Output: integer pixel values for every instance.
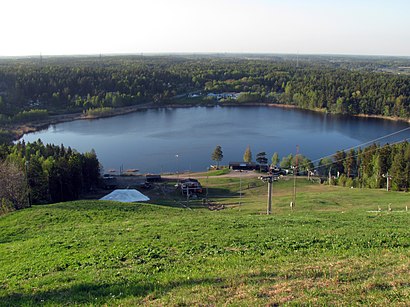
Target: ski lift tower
(269, 180)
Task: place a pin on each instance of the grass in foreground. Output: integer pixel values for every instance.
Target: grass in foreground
(328, 251)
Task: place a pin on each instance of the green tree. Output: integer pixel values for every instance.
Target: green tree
(350, 164)
(91, 169)
(261, 159)
(247, 156)
(375, 179)
(286, 162)
(38, 181)
(217, 155)
(338, 164)
(325, 166)
(398, 169)
(275, 159)
(304, 164)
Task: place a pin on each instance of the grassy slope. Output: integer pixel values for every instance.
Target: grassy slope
(328, 251)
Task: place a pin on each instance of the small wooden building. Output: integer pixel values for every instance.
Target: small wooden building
(244, 166)
(190, 186)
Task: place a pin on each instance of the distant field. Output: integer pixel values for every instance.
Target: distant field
(329, 251)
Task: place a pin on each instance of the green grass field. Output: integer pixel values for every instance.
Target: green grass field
(329, 251)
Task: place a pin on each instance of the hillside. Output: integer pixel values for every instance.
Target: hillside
(330, 250)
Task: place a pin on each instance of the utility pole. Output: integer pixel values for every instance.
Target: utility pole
(388, 177)
(187, 195)
(269, 180)
(240, 187)
(388, 181)
(207, 184)
(177, 156)
(330, 175)
(295, 170)
(269, 210)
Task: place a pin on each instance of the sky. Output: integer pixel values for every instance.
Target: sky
(65, 27)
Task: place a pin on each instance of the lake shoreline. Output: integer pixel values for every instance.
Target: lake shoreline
(19, 130)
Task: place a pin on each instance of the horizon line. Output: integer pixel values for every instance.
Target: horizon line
(198, 53)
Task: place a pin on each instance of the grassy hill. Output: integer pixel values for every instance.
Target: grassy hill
(330, 250)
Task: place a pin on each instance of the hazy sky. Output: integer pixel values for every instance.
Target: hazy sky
(31, 27)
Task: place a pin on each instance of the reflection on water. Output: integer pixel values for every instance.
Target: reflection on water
(149, 140)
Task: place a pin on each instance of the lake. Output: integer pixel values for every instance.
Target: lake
(180, 139)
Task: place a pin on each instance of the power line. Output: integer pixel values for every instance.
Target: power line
(356, 155)
(368, 142)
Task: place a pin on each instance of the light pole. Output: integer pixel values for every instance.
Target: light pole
(388, 177)
(207, 184)
(177, 156)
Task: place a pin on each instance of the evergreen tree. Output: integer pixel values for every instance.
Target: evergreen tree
(350, 164)
(261, 159)
(325, 166)
(37, 180)
(398, 169)
(338, 164)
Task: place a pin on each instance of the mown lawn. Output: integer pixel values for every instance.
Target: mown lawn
(328, 251)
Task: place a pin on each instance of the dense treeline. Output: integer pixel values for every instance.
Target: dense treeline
(360, 168)
(78, 84)
(370, 167)
(51, 173)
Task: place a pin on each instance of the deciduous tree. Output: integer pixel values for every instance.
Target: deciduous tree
(217, 155)
(13, 186)
(275, 159)
(247, 156)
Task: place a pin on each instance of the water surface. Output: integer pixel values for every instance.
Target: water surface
(179, 139)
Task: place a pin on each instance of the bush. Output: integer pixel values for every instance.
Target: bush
(96, 112)
(350, 183)
(31, 115)
(342, 180)
(5, 206)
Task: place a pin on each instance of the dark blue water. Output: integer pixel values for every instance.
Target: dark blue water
(167, 140)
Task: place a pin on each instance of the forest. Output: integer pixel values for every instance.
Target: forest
(32, 88)
(35, 173)
(366, 167)
(369, 167)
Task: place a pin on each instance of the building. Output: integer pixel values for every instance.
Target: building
(153, 178)
(226, 95)
(190, 186)
(109, 182)
(244, 166)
